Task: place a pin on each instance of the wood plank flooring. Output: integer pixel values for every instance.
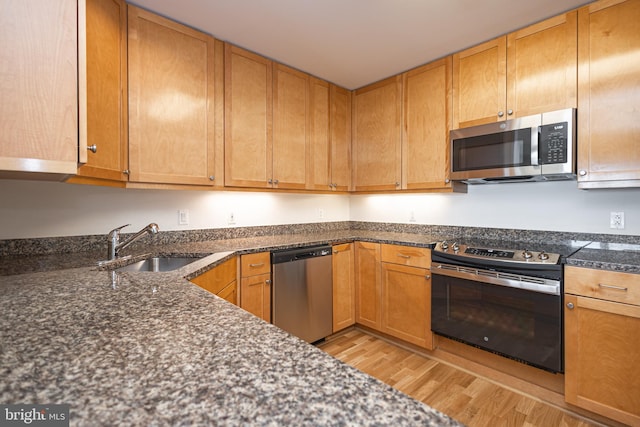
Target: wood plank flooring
(469, 399)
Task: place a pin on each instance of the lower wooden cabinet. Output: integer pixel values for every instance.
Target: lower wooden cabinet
(368, 284)
(344, 295)
(255, 284)
(406, 304)
(406, 294)
(393, 291)
(221, 280)
(602, 342)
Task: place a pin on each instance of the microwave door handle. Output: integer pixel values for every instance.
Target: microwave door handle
(535, 136)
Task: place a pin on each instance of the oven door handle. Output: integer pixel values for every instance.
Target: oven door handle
(535, 284)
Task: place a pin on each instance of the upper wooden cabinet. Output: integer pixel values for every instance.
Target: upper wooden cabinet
(39, 112)
(377, 136)
(175, 82)
(529, 71)
(340, 138)
(248, 118)
(426, 125)
(608, 119)
(103, 101)
(290, 127)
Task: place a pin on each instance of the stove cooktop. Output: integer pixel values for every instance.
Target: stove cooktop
(510, 251)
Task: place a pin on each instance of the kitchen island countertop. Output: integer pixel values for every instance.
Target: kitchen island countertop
(153, 349)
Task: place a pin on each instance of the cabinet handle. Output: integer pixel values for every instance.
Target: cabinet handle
(270, 181)
(404, 256)
(397, 184)
(93, 148)
(126, 172)
(617, 288)
(509, 112)
(275, 182)
(260, 264)
(570, 305)
(268, 281)
(582, 172)
(500, 113)
(446, 181)
(427, 277)
(212, 178)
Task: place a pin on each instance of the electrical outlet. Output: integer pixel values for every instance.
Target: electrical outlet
(320, 213)
(616, 220)
(412, 217)
(232, 218)
(183, 217)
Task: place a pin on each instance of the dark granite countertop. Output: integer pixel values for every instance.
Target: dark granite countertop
(154, 349)
(608, 256)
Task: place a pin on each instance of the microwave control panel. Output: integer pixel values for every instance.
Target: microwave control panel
(552, 145)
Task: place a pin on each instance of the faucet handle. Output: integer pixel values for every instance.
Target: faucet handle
(116, 231)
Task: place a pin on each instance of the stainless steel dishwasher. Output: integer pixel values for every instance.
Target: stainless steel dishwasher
(302, 292)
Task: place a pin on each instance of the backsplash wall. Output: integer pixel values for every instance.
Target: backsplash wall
(31, 209)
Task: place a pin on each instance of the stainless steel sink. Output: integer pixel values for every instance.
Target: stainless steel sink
(158, 264)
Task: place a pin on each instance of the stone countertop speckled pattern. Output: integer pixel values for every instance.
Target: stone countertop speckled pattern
(154, 349)
(608, 256)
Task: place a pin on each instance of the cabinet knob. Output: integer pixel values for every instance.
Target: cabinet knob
(270, 181)
(397, 184)
(509, 112)
(570, 305)
(582, 172)
(93, 148)
(500, 113)
(268, 281)
(275, 182)
(126, 171)
(446, 181)
(427, 277)
(212, 178)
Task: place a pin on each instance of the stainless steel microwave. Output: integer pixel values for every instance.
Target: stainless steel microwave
(532, 148)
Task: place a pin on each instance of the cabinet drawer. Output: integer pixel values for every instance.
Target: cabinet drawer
(603, 284)
(258, 263)
(406, 255)
(218, 277)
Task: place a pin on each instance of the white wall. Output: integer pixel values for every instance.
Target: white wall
(553, 206)
(44, 209)
(49, 209)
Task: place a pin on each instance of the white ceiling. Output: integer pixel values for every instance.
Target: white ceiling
(356, 42)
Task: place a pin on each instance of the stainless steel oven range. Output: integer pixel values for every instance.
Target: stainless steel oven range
(507, 301)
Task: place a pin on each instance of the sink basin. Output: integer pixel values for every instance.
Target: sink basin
(158, 264)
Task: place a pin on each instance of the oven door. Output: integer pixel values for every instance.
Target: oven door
(518, 323)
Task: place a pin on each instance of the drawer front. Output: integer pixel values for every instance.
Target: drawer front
(218, 277)
(406, 255)
(253, 264)
(607, 285)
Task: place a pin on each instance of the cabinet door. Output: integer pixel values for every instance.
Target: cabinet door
(480, 84)
(340, 124)
(171, 101)
(290, 128)
(219, 277)
(427, 121)
(248, 119)
(609, 94)
(602, 370)
(344, 295)
(39, 89)
(319, 139)
(406, 305)
(230, 293)
(542, 67)
(103, 102)
(255, 295)
(377, 136)
(368, 283)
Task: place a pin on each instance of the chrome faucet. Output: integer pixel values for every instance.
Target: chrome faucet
(114, 244)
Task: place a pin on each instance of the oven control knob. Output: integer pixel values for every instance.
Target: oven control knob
(543, 255)
(455, 247)
(444, 245)
(527, 254)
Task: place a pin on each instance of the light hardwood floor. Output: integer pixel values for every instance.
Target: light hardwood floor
(469, 399)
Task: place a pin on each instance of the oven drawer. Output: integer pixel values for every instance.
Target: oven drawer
(603, 284)
(406, 255)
